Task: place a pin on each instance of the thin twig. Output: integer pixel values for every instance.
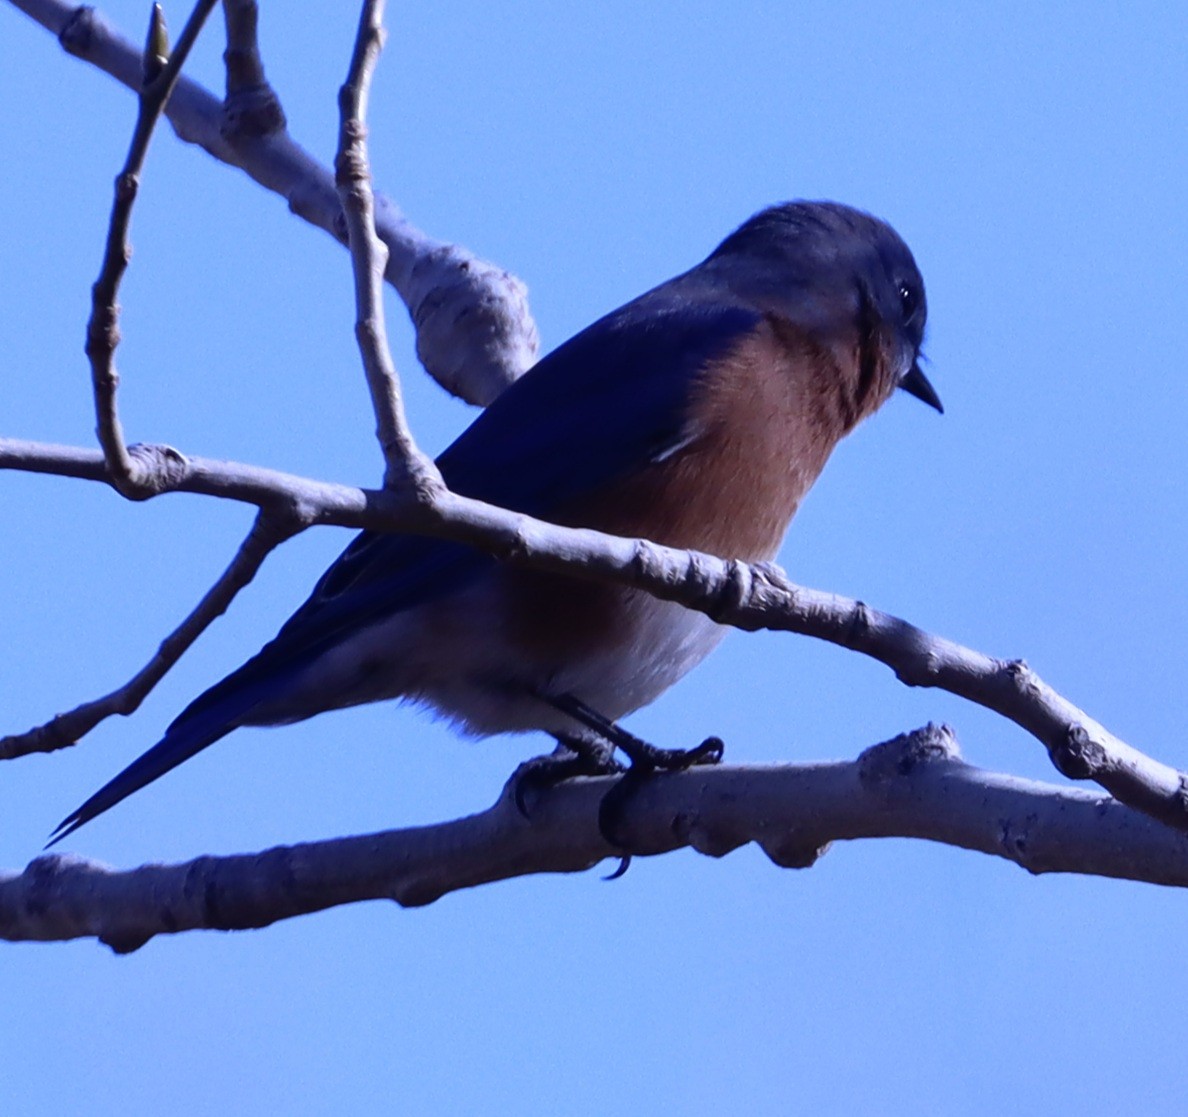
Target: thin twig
(67, 729)
(405, 467)
(914, 786)
(252, 109)
(319, 502)
(103, 334)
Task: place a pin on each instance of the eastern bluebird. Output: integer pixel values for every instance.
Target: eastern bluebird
(697, 416)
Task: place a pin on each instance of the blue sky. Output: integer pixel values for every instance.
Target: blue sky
(1034, 161)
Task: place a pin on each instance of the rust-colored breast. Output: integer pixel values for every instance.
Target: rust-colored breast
(764, 422)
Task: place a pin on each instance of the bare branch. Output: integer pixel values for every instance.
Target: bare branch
(103, 335)
(404, 465)
(316, 502)
(731, 592)
(1078, 746)
(67, 729)
(251, 109)
(914, 786)
(475, 333)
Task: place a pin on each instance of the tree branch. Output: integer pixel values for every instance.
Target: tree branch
(159, 77)
(405, 467)
(1079, 747)
(475, 333)
(268, 533)
(251, 109)
(915, 786)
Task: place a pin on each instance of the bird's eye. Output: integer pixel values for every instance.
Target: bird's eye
(909, 300)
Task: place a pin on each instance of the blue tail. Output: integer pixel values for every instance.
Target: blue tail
(178, 745)
(210, 717)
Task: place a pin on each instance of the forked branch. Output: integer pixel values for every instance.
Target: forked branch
(161, 71)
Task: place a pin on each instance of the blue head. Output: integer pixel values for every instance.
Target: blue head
(842, 276)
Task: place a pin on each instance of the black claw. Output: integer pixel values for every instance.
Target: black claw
(624, 865)
(653, 759)
(639, 751)
(519, 780)
(614, 802)
(537, 774)
(652, 763)
(710, 751)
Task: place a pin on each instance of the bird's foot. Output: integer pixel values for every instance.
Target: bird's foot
(638, 751)
(646, 763)
(592, 753)
(647, 758)
(571, 758)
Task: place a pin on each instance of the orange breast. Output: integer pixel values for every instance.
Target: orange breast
(762, 437)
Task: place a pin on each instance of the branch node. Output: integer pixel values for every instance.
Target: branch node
(251, 113)
(168, 467)
(1078, 756)
(78, 32)
(44, 874)
(475, 334)
(734, 590)
(890, 761)
(689, 828)
(416, 893)
(859, 627)
(646, 563)
(124, 942)
(774, 576)
(1022, 677)
(1014, 839)
(351, 168)
(155, 469)
(793, 851)
(251, 109)
(127, 186)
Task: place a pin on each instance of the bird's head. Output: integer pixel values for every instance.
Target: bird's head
(847, 280)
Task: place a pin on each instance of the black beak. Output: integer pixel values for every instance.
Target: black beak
(915, 383)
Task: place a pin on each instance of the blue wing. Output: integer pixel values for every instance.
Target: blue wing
(600, 405)
(610, 399)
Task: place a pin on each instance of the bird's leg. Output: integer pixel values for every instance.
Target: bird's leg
(646, 760)
(642, 755)
(591, 752)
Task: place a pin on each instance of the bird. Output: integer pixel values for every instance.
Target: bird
(697, 416)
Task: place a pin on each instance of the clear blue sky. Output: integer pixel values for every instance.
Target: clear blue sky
(1035, 160)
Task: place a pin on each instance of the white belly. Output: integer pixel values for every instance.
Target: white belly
(456, 656)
